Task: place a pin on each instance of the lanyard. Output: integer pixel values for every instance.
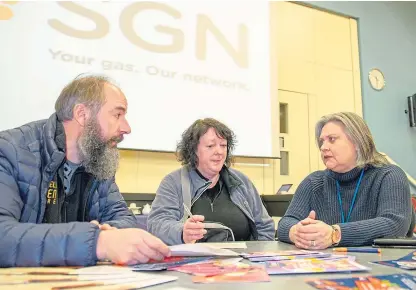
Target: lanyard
(353, 199)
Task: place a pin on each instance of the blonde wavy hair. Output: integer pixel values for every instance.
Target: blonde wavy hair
(357, 130)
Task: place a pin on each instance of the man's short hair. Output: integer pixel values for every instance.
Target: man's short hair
(84, 89)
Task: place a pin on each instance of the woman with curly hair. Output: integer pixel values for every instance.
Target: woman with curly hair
(218, 193)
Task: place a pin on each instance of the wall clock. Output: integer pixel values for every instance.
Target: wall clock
(376, 79)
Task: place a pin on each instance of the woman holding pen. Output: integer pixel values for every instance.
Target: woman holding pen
(358, 198)
(206, 200)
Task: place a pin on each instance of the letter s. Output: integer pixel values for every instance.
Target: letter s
(102, 26)
(126, 25)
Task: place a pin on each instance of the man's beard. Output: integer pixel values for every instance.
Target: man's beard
(98, 156)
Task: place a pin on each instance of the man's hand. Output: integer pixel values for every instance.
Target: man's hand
(130, 246)
(193, 229)
(103, 227)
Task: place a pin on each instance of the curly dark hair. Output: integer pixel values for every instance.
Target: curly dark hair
(186, 148)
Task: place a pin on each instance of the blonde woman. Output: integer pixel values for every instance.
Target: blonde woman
(358, 198)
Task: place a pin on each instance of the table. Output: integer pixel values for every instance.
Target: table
(292, 282)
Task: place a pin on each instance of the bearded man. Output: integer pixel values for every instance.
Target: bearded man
(59, 204)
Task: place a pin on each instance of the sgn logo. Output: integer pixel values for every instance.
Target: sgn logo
(204, 25)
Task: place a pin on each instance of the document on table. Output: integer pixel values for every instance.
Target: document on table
(121, 275)
(89, 276)
(407, 262)
(228, 245)
(306, 266)
(393, 281)
(192, 250)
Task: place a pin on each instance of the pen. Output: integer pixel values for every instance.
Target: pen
(358, 250)
(188, 211)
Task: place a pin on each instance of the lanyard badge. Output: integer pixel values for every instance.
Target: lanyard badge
(353, 199)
